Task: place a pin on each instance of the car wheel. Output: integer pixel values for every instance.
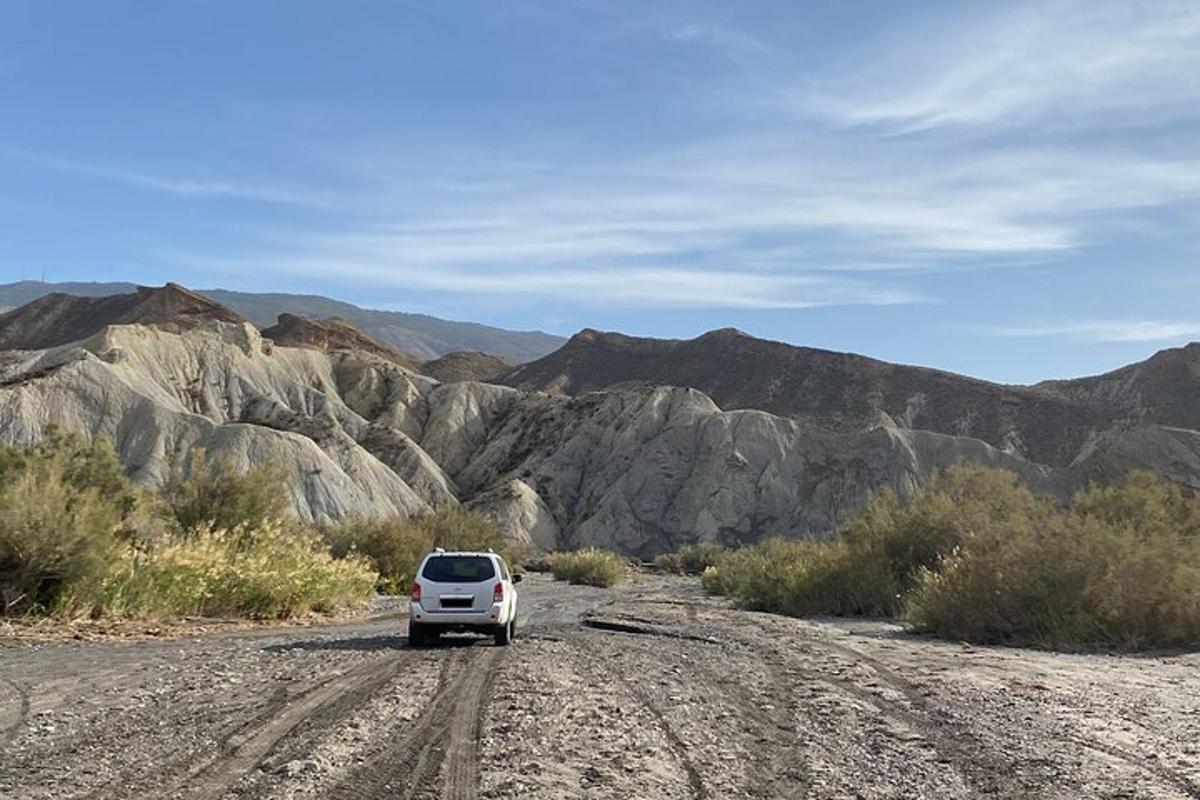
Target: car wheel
(416, 635)
(506, 633)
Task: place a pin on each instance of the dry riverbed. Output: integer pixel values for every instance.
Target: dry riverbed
(651, 690)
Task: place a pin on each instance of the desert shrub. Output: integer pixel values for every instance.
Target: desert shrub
(801, 577)
(395, 547)
(975, 556)
(589, 566)
(55, 539)
(1120, 569)
(879, 554)
(691, 559)
(212, 494)
(272, 573)
(65, 510)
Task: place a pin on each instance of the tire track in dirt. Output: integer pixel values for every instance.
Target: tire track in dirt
(247, 748)
(982, 767)
(14, 710)
(957, 746)
(210, 776)
(678, 747)
(772, 776)
(913, 693)
(445, 734)
(1182, 783)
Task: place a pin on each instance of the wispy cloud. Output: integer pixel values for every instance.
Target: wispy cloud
(602, 286)
(1108, 331)
(211, 188)
(1082, 63)
(734, 43)
(749, 224)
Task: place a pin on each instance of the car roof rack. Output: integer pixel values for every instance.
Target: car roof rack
(439, 549)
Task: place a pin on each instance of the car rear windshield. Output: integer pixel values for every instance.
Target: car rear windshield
(458, 569)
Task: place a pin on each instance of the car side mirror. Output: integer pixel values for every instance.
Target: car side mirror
(516, 578)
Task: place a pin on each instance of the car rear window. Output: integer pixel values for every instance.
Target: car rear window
(458, 569)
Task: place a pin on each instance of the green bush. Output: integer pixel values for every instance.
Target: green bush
(395, 547)
(692, 559)
(211, 494)
(590, 566)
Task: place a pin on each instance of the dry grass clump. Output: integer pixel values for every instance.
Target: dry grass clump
(77, 539)
(590, 567)
(975, 556)
(269, 572)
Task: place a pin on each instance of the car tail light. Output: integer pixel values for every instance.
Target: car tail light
(416, 593)
(498, 593)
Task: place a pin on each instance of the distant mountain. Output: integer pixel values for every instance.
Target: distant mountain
(418, 334)
(56, 319)
(839, 391)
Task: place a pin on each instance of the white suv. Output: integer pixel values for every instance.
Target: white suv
(462, 592)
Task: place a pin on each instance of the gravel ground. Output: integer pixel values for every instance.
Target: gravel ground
(651, 690)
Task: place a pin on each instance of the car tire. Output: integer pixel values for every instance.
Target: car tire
(506, 634)
(416, 635)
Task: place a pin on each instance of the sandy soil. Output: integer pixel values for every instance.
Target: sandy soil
(651, 690)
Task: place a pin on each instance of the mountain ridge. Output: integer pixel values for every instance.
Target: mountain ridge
(421, 335)
(841, 391)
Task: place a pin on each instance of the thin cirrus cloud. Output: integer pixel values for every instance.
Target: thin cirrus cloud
(626, 286)
(206, 188)
(679, 230)
(1083, 63)
(1105, 331)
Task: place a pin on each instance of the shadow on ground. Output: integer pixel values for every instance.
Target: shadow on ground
(371, 644)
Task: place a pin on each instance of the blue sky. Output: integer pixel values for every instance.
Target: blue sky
(1006, 190)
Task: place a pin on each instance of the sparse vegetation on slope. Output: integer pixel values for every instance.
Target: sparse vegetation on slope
(395, 547)
(77, 539)
(212, 495)
(589, 566)
(975, 556)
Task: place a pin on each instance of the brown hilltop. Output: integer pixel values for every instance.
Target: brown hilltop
(293, 330)
(466, 366)
(57, 319)
(1164, 389)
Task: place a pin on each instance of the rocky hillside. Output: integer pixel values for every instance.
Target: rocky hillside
(672, 450)
(642, 469)
(839, 391)
(423, 336)
(59, 318)
(1164, 389)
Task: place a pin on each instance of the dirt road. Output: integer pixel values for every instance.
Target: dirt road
(648, 691)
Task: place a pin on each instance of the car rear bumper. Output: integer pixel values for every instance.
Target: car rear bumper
(456, 618)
